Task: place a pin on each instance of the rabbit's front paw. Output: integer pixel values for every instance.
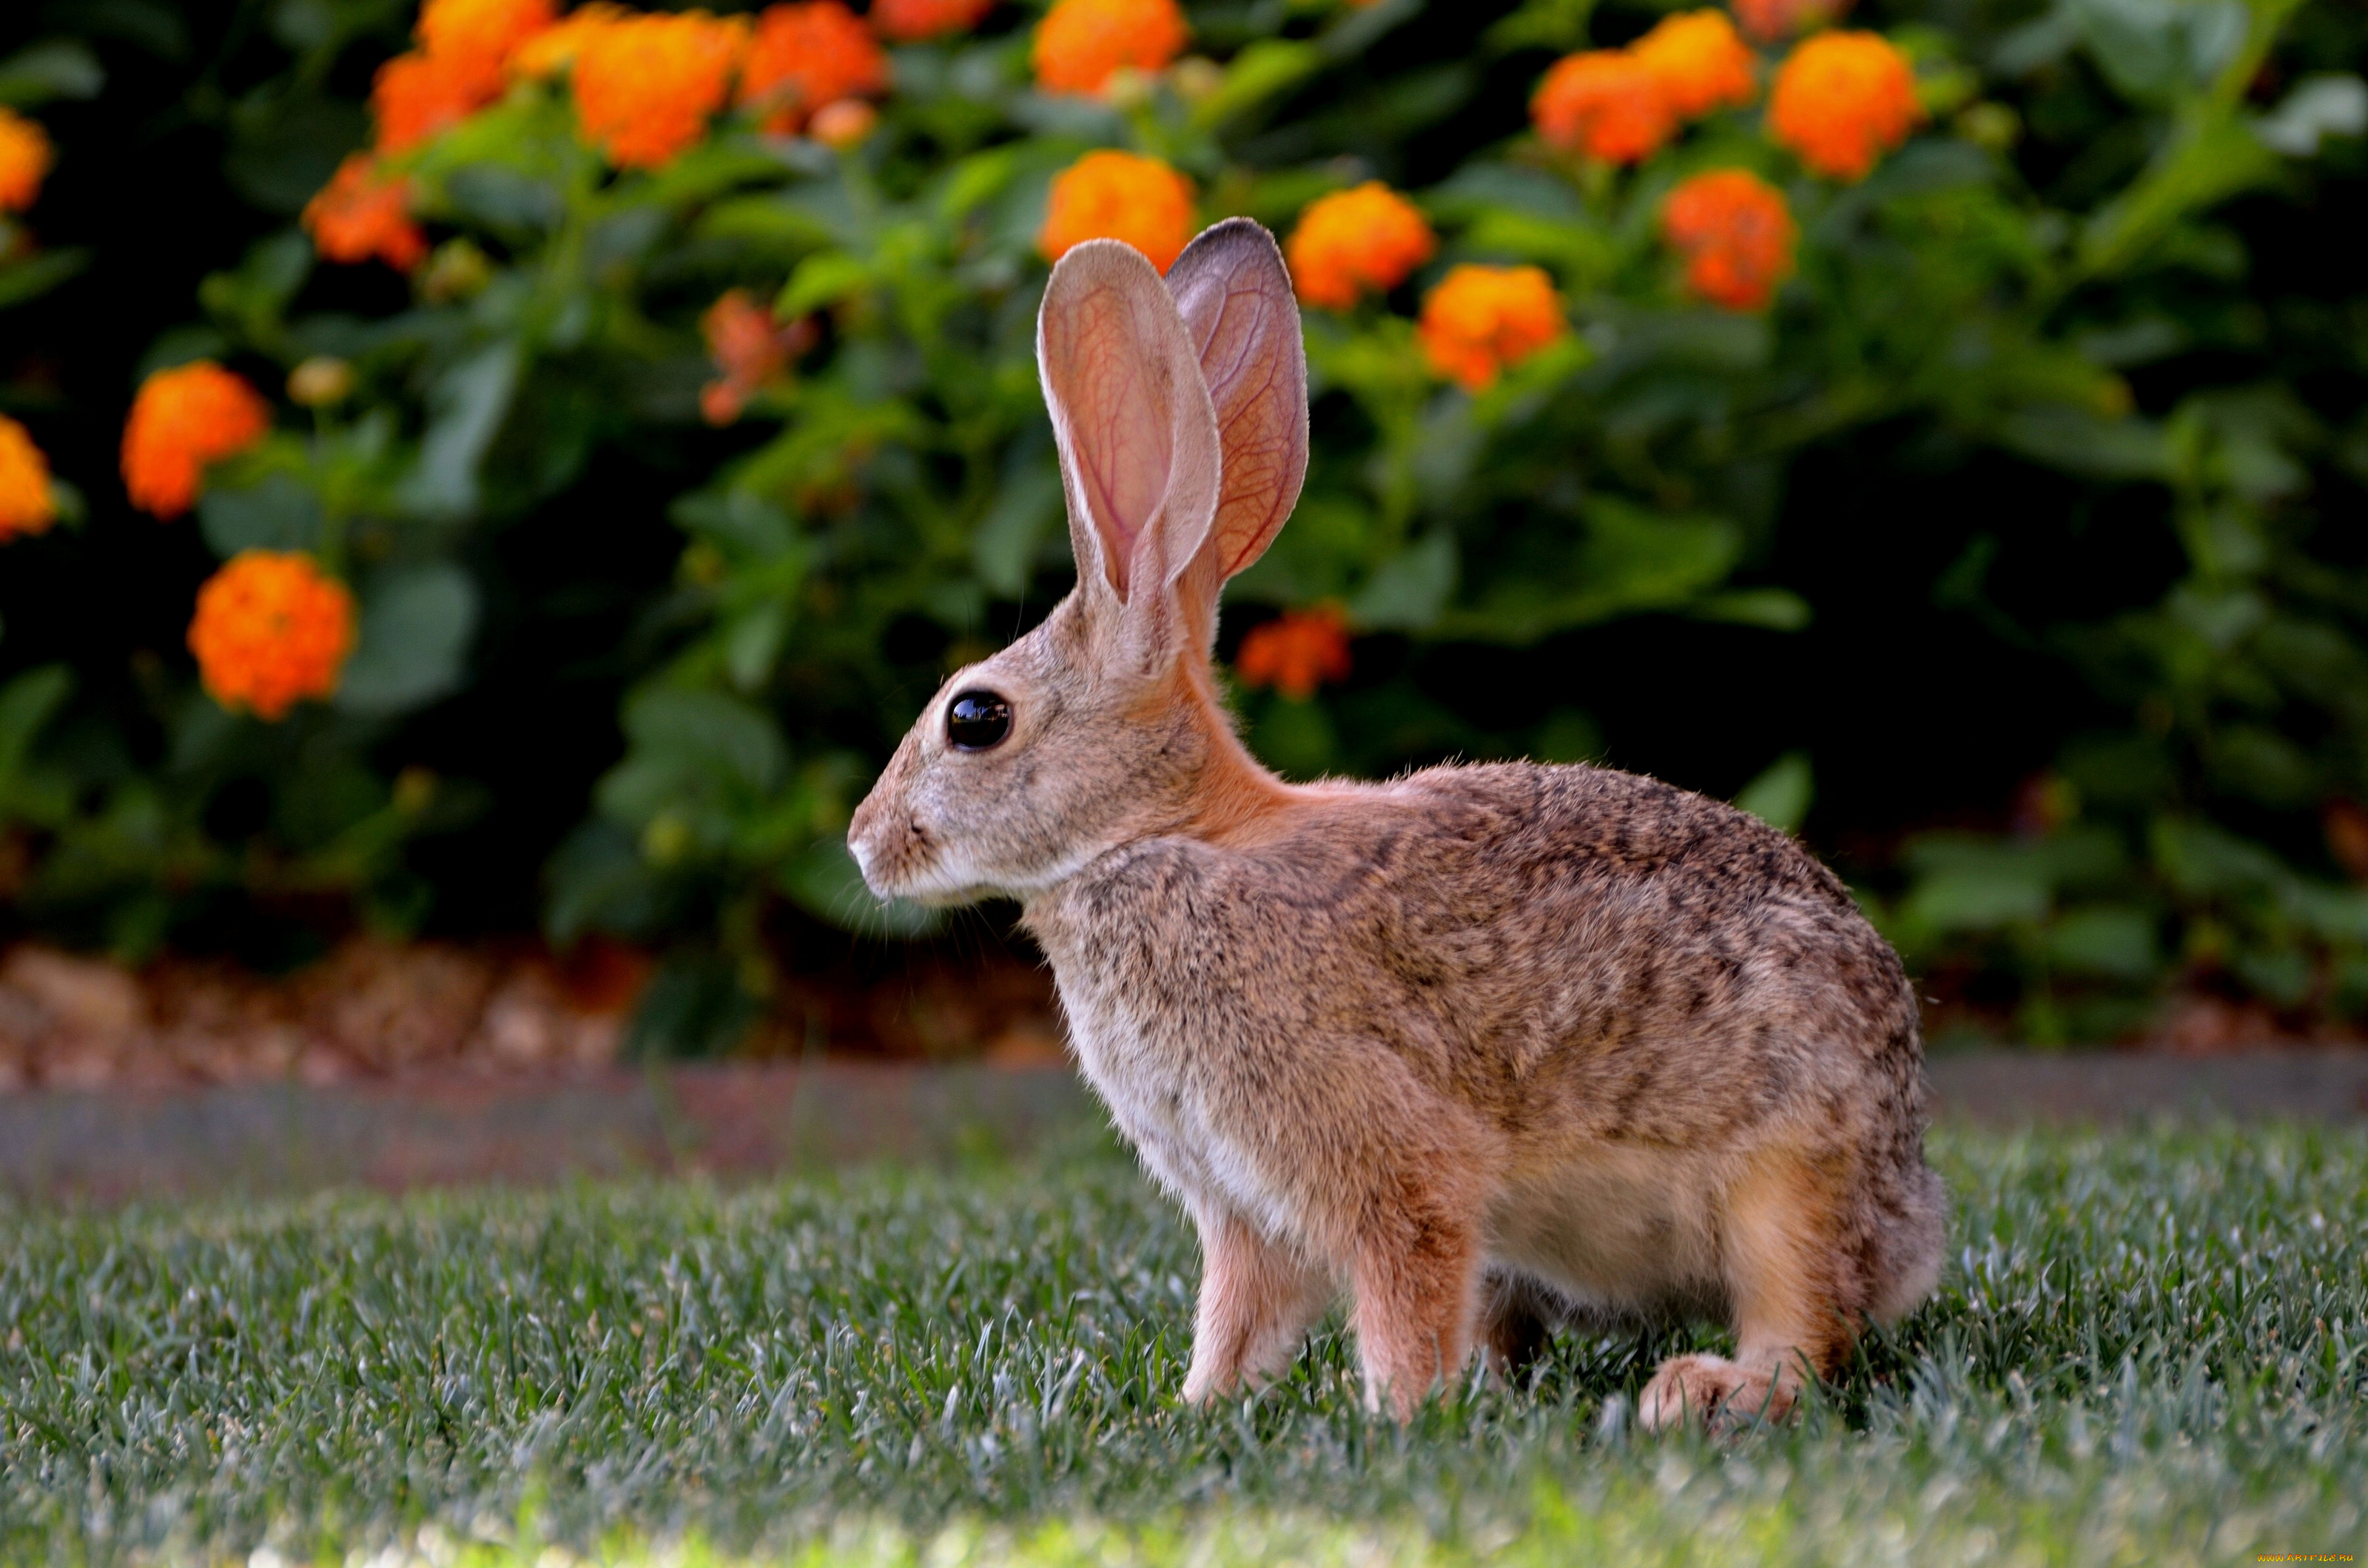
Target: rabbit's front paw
(1712, 1391)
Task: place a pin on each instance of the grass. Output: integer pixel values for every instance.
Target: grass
(2147, 1347)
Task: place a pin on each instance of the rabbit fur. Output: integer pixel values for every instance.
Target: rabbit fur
(1488, 1045)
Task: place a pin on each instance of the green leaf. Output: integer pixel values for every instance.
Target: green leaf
(54, 68)
(820, 280)
(37, 275)
(277, 512)
(1781, 796)
(827, 882)
(1410, 590)
(415, 626)
(1026, 509)
(2115, 944)
(466, 406)
(1262, 71)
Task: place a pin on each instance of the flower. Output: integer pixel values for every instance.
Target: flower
(183, 419)
(1370, 237)
(1735, 233)
(1296, 652)
(1081, 43)
(1482, 321)
(804, 56)
(1841, 100)
(911, 21)
(359, 215)
(1698, 62)
(1772, 21)
(645, 86)
(481, 34)
(1605, 103)
(417, 96)
(555, 48)
(752, 349)
(25, 159)
(26, 504)
(843, 123)
(271, 628)
(321, 381)
(1117, 196)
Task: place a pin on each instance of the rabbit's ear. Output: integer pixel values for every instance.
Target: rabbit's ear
(1139, 453)
(1236, 299)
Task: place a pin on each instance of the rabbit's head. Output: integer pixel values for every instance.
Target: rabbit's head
(1181, 410)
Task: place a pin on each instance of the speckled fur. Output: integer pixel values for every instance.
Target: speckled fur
(1483, 1045)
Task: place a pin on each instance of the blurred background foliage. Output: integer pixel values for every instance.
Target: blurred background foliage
(2014, 556)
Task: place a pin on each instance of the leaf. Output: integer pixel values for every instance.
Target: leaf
(1772, 609)
(1408, 591)
(415, 626)
(820, 280)
(26, 703)
(2330, 104)
(1266, 68)
(54, 68)
(466, 406)
(277, 512)
(827, 882)
(2117, 944)
(2076, 440)
(1027, 507)
(37, 275)
(707, 733)
(1781, 796)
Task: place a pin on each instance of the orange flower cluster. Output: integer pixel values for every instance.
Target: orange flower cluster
(1736, 234)
(549, 53)
(1605, 103)
(25, 158)
(272, 629)
(804, 56)
(1841, 101)
(1116, 195)
(752, 349)
(183, 419)
(1698, 62)
(1619, 105)
(1350, 241)
(911, 21)
(646, 85)
(1080, 44)
(1296, 652)
(1482, 321)
(27, 505)
(1772, 21)
(359, 215)
(467, 47)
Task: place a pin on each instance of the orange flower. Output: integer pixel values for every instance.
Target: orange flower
(1482, 321)
(359, 215)
(1354, 240)
(804, 56)
(751, 348)
(1116, 195)
(555, 48)
(271, 628)
(1296, 652)
(1604, 103)
(27, 505)
(183, 419)
(481, 34)
(645, 86)
(1772, 21)
(910, 21)
(1081, 42)
(1735, 233)
(1698, 62)
(1841, 101)
(419, 96)
(25, 159)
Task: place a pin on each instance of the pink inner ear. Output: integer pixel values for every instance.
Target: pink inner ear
(1120, 417)
(1235, 297)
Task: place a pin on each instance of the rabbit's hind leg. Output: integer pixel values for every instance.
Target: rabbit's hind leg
(1790, 1291)
(1257, 1299)
(1517, 1317)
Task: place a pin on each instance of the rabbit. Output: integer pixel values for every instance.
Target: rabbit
(1490, 1046)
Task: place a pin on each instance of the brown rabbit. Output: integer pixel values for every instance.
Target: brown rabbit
(1488, 1045)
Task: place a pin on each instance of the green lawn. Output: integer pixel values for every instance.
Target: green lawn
(2147, 1348)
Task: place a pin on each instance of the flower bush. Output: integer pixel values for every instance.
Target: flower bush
(1686, 388)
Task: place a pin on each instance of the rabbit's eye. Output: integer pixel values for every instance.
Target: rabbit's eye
(977, 720)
